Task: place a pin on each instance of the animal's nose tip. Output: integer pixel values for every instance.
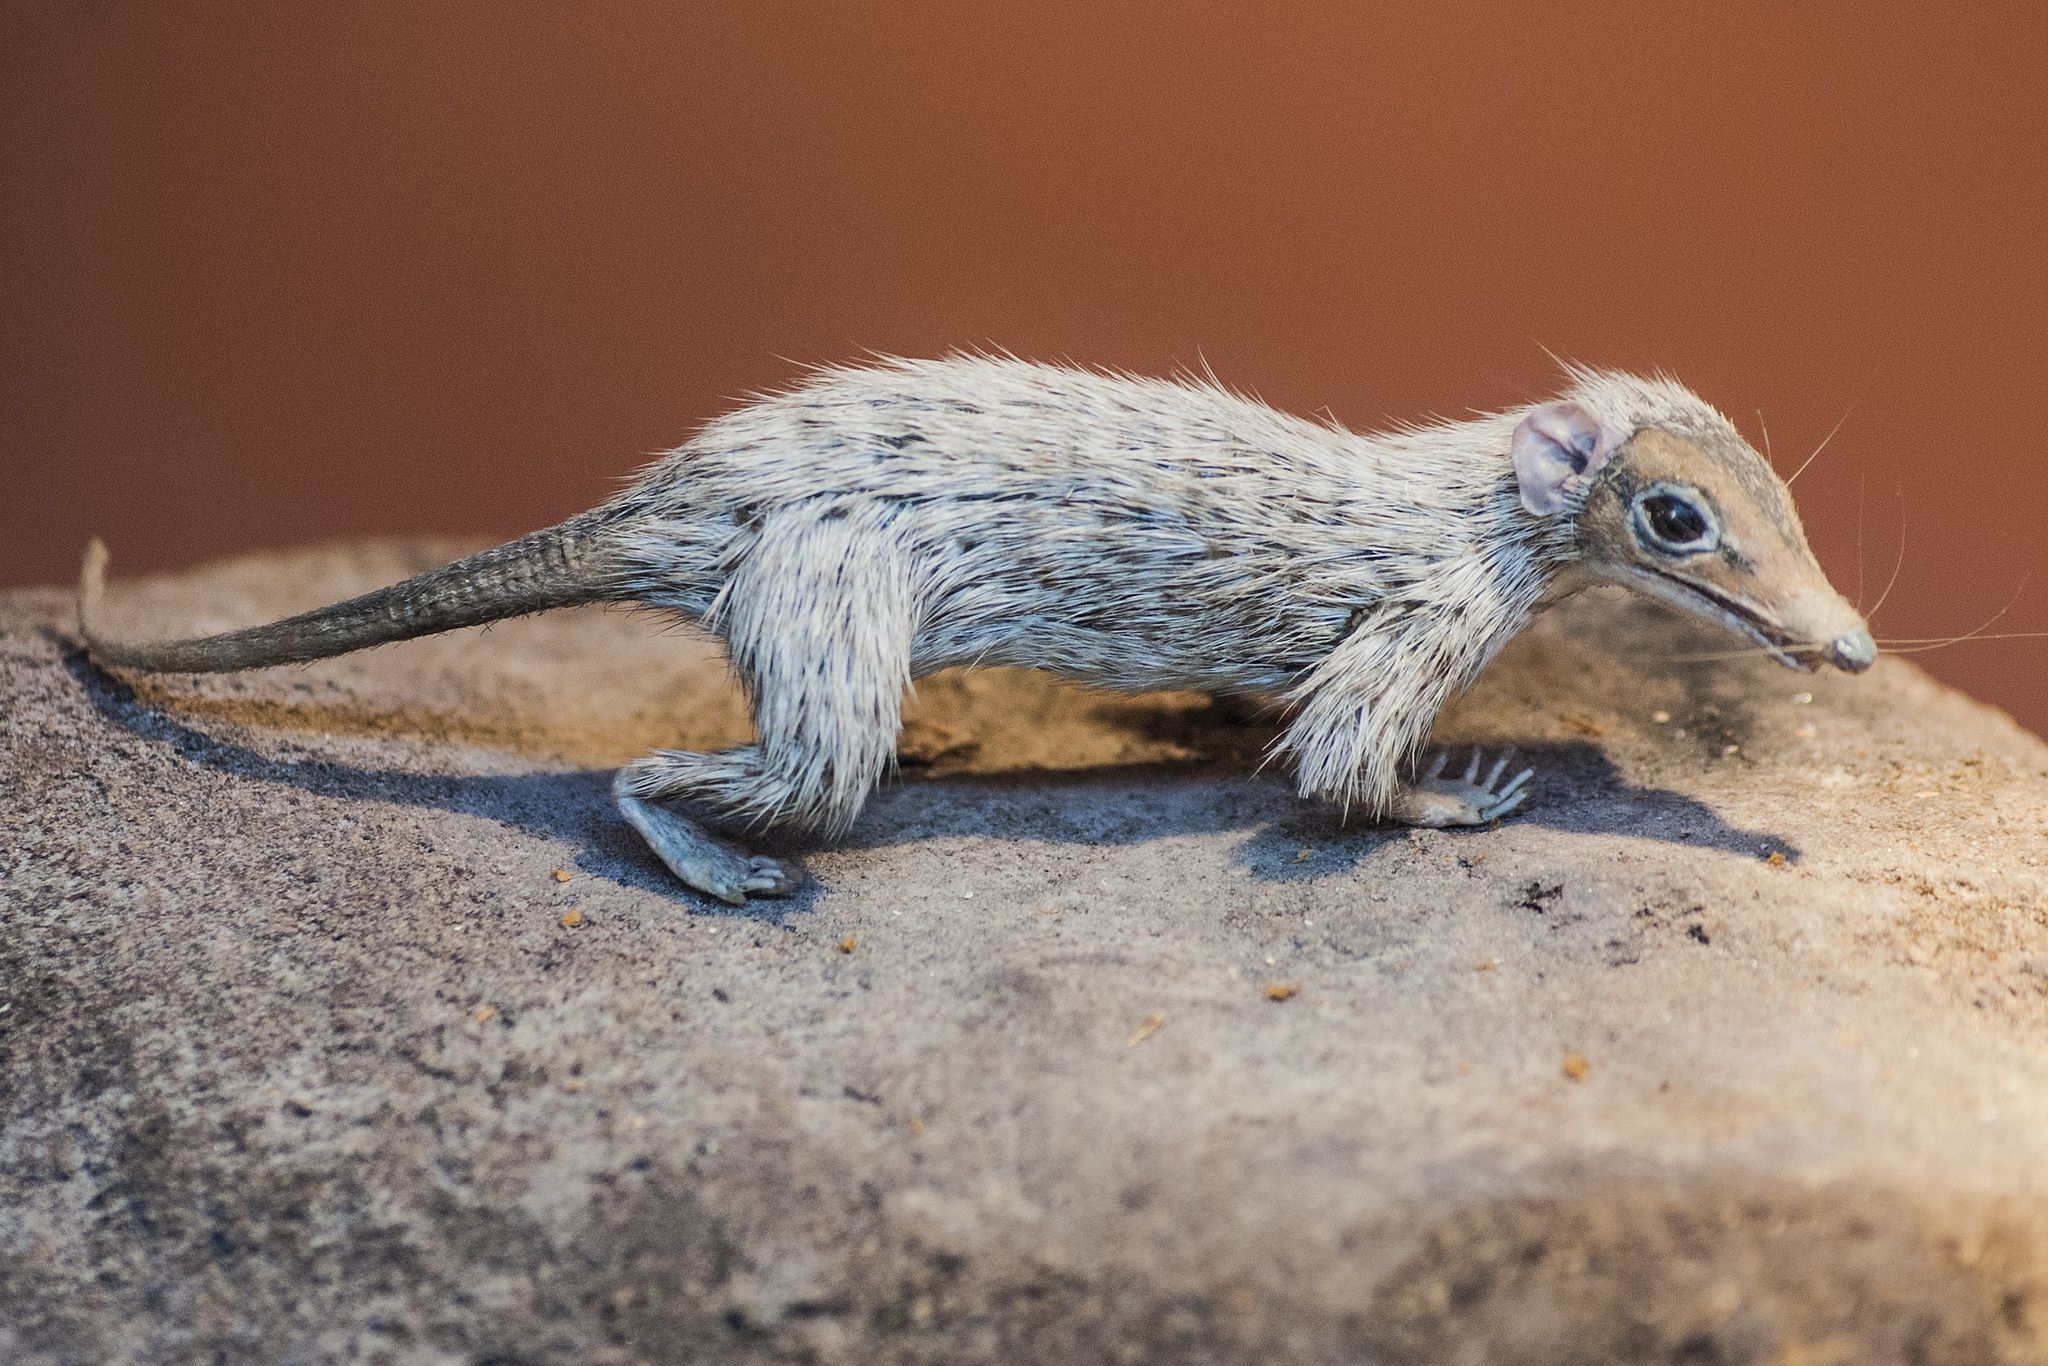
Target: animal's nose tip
(1852, 653)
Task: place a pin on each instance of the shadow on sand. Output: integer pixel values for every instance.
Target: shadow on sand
(1577, 789)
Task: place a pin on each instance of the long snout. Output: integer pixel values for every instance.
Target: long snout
(1834, 630)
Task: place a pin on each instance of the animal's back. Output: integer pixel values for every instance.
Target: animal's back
(1135, 532)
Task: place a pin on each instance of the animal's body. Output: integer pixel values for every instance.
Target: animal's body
(879, 523)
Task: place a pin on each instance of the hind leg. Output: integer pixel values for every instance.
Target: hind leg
(818, 619)
(704, 862)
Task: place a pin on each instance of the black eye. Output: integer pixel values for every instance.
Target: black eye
(1674, 521)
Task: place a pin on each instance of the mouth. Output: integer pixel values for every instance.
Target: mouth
(1801, 656)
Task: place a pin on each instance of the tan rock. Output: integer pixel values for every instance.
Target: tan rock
(249, 1107)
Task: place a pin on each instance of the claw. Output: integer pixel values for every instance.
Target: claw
(1439, 801)
(768, 877)
(1501, 808)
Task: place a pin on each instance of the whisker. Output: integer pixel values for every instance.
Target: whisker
(1862, 503)
(1897, 564)
(1765, 428)
(1897, 645)
(1740, 652)
(1943, 645)
(1890, 647)
(1921, 647)
(1823, 443)
(1863, 390)
(1903, 646)
(1932, 641)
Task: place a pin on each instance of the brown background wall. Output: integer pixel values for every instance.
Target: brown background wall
(279, 272)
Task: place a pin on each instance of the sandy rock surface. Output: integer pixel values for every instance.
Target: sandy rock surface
(341, 1019)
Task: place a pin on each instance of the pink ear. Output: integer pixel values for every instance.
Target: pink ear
(1558, 449)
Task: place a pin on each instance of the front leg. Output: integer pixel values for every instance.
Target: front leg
(1434, 801)
(1363, 713)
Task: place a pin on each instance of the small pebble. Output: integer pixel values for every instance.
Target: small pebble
(1282, 991)
(1147, 1029)
(563, 875)
(484, 1014)
(1662, 718)
(571, 919)
(849, 944)
(1576, 1067)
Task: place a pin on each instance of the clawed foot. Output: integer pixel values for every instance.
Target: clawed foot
(1435, 801)
(704, 862)
(741, 875)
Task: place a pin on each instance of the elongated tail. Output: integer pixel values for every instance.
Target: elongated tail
(561, 566)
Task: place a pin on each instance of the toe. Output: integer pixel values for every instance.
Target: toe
(1502, 808)
(731, 893)
(768, 877)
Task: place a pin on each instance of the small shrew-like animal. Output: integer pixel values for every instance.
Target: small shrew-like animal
(878, 523)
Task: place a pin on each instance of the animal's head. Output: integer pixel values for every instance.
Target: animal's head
(1665, 496)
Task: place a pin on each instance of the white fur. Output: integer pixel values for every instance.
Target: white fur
(877, 523)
